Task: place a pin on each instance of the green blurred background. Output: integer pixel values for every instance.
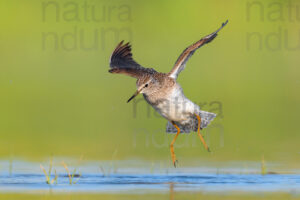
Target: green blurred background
(57, 97)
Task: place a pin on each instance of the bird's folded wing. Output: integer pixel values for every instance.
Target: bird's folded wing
(188, 52)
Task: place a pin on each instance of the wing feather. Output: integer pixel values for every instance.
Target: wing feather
(121, 62)
(188, 52)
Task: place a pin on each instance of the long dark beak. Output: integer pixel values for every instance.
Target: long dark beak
(134, 95)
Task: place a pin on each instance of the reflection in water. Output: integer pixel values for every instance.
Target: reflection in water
(171, 191)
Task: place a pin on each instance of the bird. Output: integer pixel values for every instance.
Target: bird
(163, 92)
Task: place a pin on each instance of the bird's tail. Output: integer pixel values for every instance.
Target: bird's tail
(206, 118)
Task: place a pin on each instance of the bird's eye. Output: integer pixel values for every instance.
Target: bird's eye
(146, 85)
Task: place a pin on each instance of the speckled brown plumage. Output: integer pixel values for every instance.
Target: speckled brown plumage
(162, 91)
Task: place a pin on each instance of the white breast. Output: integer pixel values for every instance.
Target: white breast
(177, 107)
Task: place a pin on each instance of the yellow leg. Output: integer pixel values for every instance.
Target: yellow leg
(172, 145)
(199, 134)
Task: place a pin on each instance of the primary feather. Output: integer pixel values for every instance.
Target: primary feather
(121, 62)
(188, 52)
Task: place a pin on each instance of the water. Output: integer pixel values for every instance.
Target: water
(26, 177)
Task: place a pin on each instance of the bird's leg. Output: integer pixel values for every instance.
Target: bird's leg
(199, 134)
(172, 145)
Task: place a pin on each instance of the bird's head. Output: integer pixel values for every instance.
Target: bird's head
(145, 85)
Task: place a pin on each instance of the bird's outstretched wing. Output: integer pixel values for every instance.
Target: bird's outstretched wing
(121, 62)
(188, 52)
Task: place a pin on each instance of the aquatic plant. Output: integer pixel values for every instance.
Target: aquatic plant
(112, 166)
(263, 165)
(10, 165)
(49, 181)
(71, 175)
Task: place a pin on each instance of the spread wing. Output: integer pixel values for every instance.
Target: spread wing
(188, 52)
(121, 62)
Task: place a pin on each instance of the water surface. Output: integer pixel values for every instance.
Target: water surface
(24, 177)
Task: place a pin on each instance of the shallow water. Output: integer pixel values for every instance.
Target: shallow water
(26, 177)
(154, 183)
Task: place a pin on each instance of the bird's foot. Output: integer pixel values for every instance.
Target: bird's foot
(175, 162)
